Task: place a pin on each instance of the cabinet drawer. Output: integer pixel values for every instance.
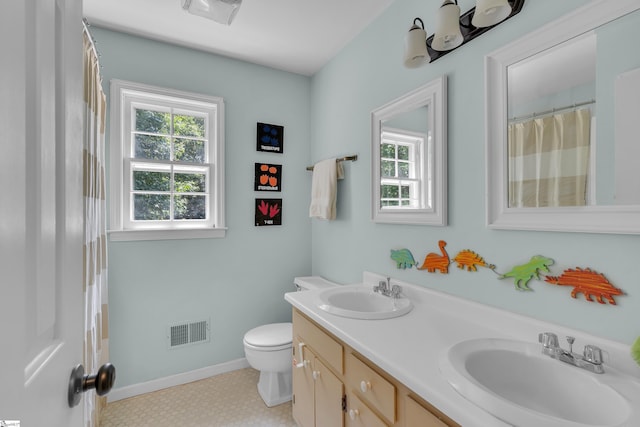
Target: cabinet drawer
(321, 343)
(372, 387)
(417, 415)
(359, 415)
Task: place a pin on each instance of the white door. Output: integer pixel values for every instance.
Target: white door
(41, 210)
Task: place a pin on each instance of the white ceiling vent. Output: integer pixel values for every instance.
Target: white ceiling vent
(186, 333)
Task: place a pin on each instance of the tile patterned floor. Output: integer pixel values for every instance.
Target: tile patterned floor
(226, 400)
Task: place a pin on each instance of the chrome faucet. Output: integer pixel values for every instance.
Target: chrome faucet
(591, 359)
(384, 287)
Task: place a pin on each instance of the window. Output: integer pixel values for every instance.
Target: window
(167, 163)
(402, 183)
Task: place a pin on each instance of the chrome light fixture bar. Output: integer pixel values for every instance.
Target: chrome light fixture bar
(221, 11)
(454, 30)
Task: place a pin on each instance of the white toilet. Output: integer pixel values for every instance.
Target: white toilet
(268, 349)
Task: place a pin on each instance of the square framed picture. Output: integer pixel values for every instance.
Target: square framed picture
(270, 138)
(268, 177)
(268, 212)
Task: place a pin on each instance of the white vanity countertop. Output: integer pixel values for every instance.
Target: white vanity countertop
(410, 347)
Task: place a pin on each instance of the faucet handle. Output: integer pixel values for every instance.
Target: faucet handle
(396, 290)
(548, 340)
(593, 354)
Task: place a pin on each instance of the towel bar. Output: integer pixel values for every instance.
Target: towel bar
(341, 159)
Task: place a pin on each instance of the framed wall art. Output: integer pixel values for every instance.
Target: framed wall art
(270, 138)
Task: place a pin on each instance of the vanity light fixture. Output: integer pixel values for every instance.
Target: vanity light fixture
(415, 46)
(221, 11)
(454, 30)
(448, 35)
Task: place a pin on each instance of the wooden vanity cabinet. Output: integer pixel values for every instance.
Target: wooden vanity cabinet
(318, 391)
(349, 390)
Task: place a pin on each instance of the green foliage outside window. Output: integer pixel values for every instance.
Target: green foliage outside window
(165, 137)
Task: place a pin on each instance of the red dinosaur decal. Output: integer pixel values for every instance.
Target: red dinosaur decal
(588, 282)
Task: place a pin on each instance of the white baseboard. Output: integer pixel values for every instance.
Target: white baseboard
(174, 380)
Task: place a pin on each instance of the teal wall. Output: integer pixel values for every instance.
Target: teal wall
(369, 73)
(239, 281)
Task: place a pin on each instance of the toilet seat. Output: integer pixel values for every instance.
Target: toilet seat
(272, 337)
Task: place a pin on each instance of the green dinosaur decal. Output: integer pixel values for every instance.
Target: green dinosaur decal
(522, 274)
(403, 258)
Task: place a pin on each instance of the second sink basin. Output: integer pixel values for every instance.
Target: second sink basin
(515, 382)
(360, 302)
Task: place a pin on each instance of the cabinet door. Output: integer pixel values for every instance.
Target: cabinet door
(329, 391)
(303, 384)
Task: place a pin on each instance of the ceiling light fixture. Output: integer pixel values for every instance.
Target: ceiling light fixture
(221, 11)
(454, 30)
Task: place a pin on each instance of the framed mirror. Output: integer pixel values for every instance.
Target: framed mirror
(561, 108)
(409, 158)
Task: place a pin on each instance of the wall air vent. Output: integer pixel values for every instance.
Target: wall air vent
(186, 333)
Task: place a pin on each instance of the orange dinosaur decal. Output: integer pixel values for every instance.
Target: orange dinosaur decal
(433, 261)
(588, 282)
(471, 261)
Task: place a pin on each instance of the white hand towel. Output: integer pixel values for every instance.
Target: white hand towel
(324, 189)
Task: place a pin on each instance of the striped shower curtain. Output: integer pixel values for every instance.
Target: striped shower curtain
(549, 160)
(96, 349)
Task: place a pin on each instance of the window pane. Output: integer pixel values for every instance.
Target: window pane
(189, 150)
(389, 203)
(184, 125)
(152, 147)
(190, 182)
(151, 181)
(190, 207)
(403, 170)
(389, 191)
(405, 192)
(403, 152)
(387, 168)
(153, 121)
(388, 151)
(151, 207)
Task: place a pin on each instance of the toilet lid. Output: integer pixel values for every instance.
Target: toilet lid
(274, 334)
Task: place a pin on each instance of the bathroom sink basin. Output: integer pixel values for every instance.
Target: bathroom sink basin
(515, 382)
(360, 302)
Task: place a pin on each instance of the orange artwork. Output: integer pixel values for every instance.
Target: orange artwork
(471, 261)
(268, 177)
(588, 282)
(433, 261)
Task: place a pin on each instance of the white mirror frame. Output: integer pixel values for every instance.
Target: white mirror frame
(591, 219)
(434, 96)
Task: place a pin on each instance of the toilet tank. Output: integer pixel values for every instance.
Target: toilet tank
(308, 283)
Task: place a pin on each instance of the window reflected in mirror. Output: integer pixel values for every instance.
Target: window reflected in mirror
(404, 177)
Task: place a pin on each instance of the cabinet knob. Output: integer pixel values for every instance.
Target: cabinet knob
(365, 386)
(353, 413)
(316, 375)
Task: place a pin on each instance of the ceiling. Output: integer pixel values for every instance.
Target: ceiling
(299, 36)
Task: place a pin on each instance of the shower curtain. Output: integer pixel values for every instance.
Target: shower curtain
(96, 349)
(549, 160)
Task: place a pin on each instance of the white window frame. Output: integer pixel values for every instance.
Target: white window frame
(125, 97)
(419, 195)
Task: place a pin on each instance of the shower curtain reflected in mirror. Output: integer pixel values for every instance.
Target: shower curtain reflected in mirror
(549, 160)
